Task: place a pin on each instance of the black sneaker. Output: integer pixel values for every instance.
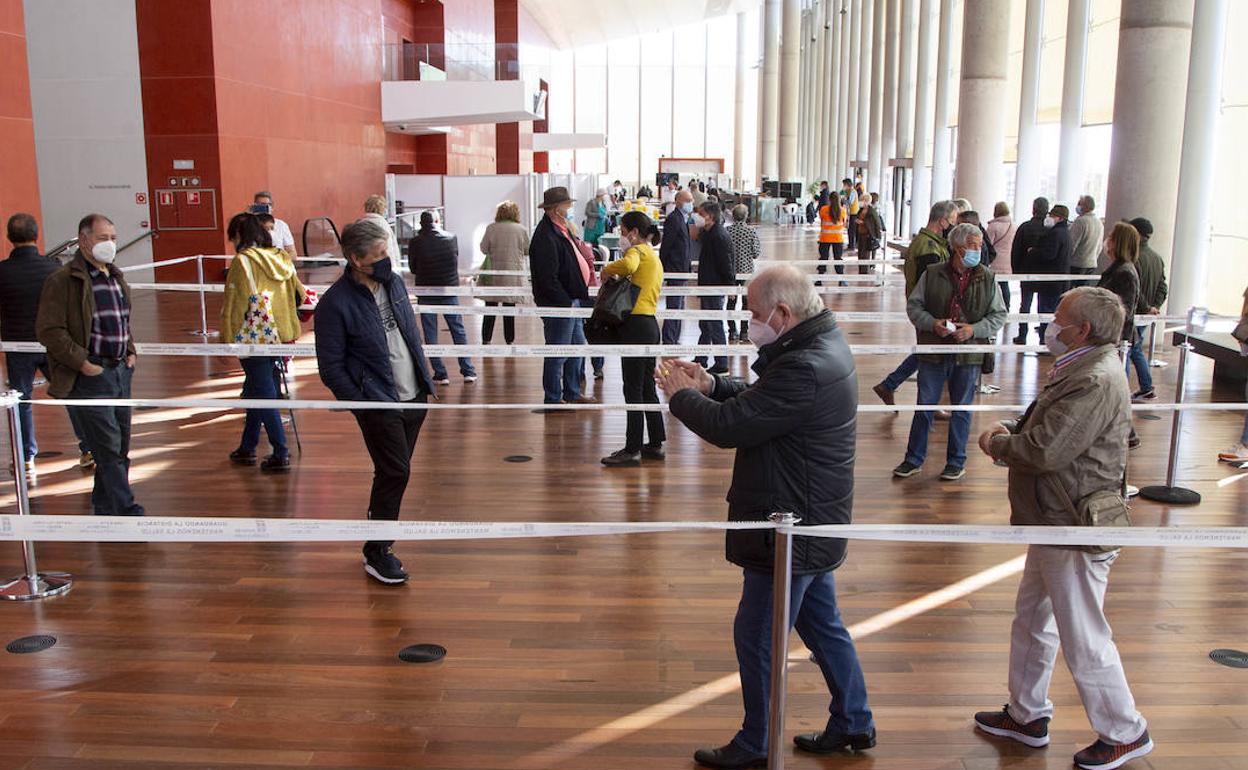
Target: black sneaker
(653, 452)
(275, 464)
(382, 565)
(1107, 756)
(831, 743)
(1144, 394)
(905, 470)
(1034, 734)
(952, 473)
(622, 459)
(239, 457)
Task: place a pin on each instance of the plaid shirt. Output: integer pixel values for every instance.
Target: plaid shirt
(110, 326)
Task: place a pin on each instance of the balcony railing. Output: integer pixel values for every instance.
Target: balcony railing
(422, 61)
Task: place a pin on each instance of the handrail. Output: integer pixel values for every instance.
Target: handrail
(61, 248)
(140, 237)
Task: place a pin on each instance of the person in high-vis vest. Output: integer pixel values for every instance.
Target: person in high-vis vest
(832, 233)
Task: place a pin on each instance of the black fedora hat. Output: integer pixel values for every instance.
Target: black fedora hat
(554, 196)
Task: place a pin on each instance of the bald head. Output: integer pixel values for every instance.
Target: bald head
(683, 197)
(785, 291)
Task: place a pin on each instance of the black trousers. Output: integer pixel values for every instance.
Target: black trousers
(837, 249)
(639, 387)
(509, 325)
(390, 435)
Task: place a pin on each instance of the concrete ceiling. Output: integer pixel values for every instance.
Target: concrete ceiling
(599, 21)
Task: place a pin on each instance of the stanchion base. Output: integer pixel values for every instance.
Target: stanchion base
(1158, 364)
(206, 335)
(1172, 495)
(45, 585)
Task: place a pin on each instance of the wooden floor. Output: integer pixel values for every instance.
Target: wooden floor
(602, 652)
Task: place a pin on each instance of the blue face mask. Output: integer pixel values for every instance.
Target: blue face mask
(382, 270)
(687, 208)
(970, 259)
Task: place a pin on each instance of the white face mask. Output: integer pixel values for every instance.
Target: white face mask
(1055, 345)
(762, 334)
(699, 221)
(104, 252)
(1049, 222)
(626, 241)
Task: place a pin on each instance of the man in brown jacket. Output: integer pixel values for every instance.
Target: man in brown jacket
(84, 322)
(1067, 456)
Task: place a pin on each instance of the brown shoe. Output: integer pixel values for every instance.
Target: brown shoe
(885, 394)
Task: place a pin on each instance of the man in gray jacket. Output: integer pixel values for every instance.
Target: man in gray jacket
(1087, 235)
(1067, 456)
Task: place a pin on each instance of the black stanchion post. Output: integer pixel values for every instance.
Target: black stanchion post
(29, 585)
(781, 582)
(1170, 493)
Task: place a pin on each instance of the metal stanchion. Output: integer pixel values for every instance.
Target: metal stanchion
(203, 308)
(781, 579)
(1170, 493)
(31, 584)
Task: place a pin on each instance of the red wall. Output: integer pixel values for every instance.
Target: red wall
(19, 176)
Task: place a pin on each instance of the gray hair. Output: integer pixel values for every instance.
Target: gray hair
(361, 237)
(962, 203)
(1101, 309)
(263, 194)
(740, 212)
(786, 284)
(962, 233)
(942, 210)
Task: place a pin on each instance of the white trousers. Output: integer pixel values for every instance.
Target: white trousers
(1061, 599)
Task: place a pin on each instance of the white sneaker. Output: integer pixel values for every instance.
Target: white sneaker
(470, 378)
(31, 473)
(1235, 454)
(85, 460)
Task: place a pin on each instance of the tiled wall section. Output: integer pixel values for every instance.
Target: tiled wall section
(19, 176)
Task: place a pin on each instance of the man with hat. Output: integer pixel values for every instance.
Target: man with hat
(1153, 293)
(560, 279)
(1052, 256)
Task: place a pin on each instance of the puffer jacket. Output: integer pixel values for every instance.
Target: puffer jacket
(434, 257)
(926, 249)
(273, 272)
(1071, 443)
(1122, 279)
(794, 430)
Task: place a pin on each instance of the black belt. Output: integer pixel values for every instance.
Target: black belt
(107, 363)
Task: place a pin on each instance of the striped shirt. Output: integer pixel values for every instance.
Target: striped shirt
(110, 326)
(1069, 358)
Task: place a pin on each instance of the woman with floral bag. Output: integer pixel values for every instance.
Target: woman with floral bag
(262, 295)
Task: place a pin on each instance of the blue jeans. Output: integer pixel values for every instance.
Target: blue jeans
(454, 322)
(260, 381)
(106, 430)
(561, 377)
(22, 368)
(711, 332)
(672, 326)
(908, 366)
(813, 611)
(1140, 361)
(932, 379)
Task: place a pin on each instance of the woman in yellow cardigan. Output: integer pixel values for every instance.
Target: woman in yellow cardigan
(261, 296)
(639, 263)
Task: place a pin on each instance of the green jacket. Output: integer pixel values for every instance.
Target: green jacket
(927, 248)
(983, 308)
(1152, 270)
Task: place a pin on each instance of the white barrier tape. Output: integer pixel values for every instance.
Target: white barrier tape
(47, 528)
(226, 404)
(162, 263)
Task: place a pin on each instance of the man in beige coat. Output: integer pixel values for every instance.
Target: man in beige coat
(1067, 456)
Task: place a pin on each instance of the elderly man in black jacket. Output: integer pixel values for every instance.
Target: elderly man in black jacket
(1051, 256)
(368, 349)
(558, 281)
(675, 252)
(434, 257)
(716, 267)
(794, 432)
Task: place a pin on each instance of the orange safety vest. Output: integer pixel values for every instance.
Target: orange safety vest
(829, 230)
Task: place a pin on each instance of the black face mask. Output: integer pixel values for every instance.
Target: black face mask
(944, 233)
(382, 270)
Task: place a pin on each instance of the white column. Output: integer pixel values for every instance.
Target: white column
(981, 107)
(815, 86)
(942, 171)
(875, 131)
(1070, 159)
(905, 79)
(892, 44)
(790, 49)
(864, 84)
(842, 107)
(855, 49)
(1027, 173)
(921, 174)
(1189, 279)
(1154, 43)
(769, 96)
(803, 95)
(738, 107)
